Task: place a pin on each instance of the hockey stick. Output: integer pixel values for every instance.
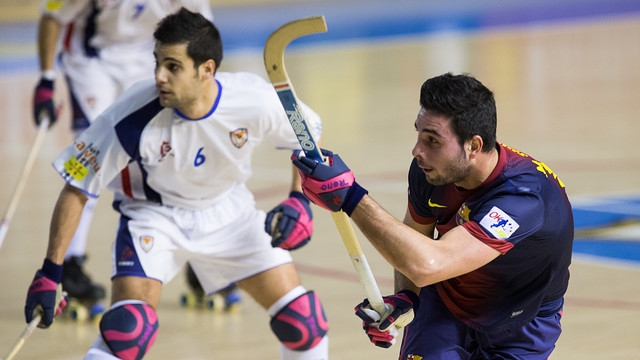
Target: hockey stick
(23, 337)
(4, 227)
(274, 63)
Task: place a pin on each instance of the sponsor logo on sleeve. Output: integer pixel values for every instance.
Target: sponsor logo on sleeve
(498, 223)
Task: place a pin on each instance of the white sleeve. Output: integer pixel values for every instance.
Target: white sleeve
(201, 6)
(93, 159)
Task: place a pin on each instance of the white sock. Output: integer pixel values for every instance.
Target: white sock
(99, 351)
(318, 352)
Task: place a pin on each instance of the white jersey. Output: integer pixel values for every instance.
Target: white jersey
(141, 150)
(110, 29)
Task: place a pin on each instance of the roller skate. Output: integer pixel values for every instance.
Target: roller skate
(84, 296)
(225, 300)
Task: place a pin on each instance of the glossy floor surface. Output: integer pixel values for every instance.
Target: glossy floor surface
(567, 91)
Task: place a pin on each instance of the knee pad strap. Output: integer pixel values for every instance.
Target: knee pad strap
(301, 324)
(129, 330)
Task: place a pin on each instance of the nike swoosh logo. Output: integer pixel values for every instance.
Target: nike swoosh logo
(434, 205)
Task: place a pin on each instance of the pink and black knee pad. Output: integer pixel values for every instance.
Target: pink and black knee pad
(129, 330)
(301, 324)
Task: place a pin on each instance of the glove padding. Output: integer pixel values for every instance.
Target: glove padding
(383, 333)
(45, 297)
(331, 186)
(43, 106)
(291, 223)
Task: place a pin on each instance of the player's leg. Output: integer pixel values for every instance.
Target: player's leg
(297, 316)
(129, 327)
(233, 248)
(435, 333)
(536, 340)
(228, 296)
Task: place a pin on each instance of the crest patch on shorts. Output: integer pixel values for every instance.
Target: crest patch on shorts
(498, 223)
(146, 243)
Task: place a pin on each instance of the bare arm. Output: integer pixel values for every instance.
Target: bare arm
(419, 258)
(48, 33)
(401, 282)
(64, 222)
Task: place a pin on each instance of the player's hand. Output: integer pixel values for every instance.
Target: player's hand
(45, 296)
(290, 223)
(43, 106)
(383, 330)
(330, 185)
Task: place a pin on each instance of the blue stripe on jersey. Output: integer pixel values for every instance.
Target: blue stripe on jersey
(129, 131)
(149, 193)
(90, 31)
(130, 128)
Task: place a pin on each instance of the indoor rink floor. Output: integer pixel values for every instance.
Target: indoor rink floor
(566, 77)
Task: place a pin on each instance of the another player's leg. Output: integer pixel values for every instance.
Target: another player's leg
(82, 290)
(75, 280)
(297, 316)
(227, 299)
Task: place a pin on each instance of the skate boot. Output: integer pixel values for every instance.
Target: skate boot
(84, 295)
(227, 299)
(231, 297)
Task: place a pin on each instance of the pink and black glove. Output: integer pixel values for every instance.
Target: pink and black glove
(290, 223)
(43, 106)
(45, 294)
(331, 186)
(401, 307)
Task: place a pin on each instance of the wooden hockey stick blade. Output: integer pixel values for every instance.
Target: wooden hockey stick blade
(274, 63)
(17, 194)
(23, 337)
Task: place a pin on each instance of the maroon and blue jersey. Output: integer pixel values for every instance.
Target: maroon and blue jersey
(521, 210)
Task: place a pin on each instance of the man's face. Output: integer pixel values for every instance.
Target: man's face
(178, 82)
(438, 151)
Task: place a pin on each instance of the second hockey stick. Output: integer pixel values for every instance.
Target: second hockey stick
(13, 204)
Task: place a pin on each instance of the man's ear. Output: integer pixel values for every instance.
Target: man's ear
(208, 68)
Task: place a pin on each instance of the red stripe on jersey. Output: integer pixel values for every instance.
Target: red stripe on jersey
(66, 43)
(500, 245)
(126, 182)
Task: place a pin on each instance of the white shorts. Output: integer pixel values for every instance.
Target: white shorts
(95, 83)
(224, 243)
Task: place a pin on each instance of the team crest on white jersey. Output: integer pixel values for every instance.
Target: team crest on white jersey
(239, 137)
(165, 148)
(498, 223)
(146, 243)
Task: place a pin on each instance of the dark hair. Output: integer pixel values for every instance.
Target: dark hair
(186, 27)
(469, 104)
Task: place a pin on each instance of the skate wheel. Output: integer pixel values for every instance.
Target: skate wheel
(210, 304)
(189, 300)
(78, 313)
